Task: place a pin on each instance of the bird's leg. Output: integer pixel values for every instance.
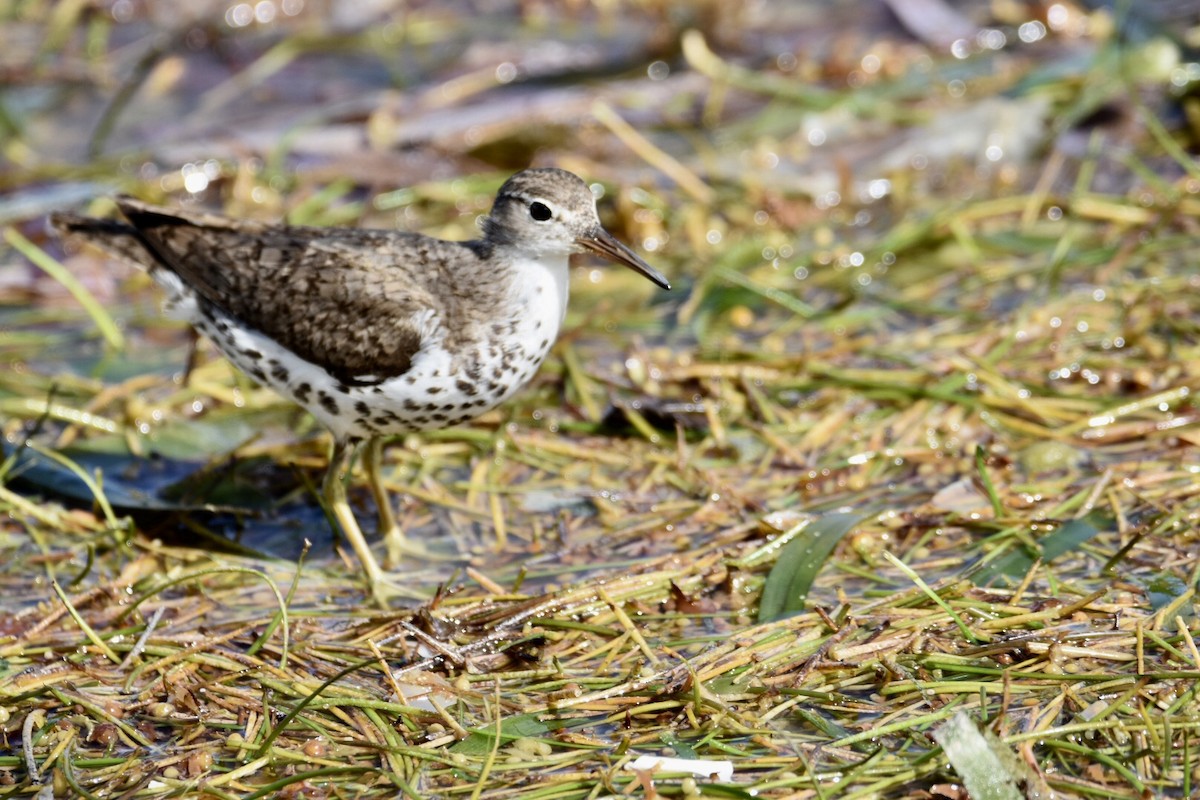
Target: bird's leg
(389, 528)
(335, 494)
(193, 356)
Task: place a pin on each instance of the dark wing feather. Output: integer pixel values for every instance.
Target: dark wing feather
(345, 299)
(113, 236)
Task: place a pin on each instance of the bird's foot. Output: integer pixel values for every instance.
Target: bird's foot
(385, 589)
(399, 548)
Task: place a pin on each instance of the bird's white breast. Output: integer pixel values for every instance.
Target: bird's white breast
(445, 387)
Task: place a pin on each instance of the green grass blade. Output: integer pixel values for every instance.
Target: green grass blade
(799, 563)
(39, 258)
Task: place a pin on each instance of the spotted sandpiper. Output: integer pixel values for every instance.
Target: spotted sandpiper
(374, 332)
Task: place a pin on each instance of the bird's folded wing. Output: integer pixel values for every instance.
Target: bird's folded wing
(344, 299)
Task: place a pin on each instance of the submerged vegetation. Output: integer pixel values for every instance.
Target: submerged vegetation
(905, 464)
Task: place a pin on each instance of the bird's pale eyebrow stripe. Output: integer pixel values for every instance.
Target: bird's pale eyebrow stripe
(525, 198)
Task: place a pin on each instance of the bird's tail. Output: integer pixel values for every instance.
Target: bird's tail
(116, 238)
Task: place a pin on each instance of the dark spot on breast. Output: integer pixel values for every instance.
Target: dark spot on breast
(433, 389)
(301, 392)
(438, 417)
(327, 402)
(362, 408)
(431, 406)
(280, 373)
(252, 354)
(411, 405)
(467, 388)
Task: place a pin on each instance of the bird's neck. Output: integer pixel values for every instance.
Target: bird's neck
(540, 286)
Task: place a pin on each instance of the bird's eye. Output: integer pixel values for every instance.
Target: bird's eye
(539, 211)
